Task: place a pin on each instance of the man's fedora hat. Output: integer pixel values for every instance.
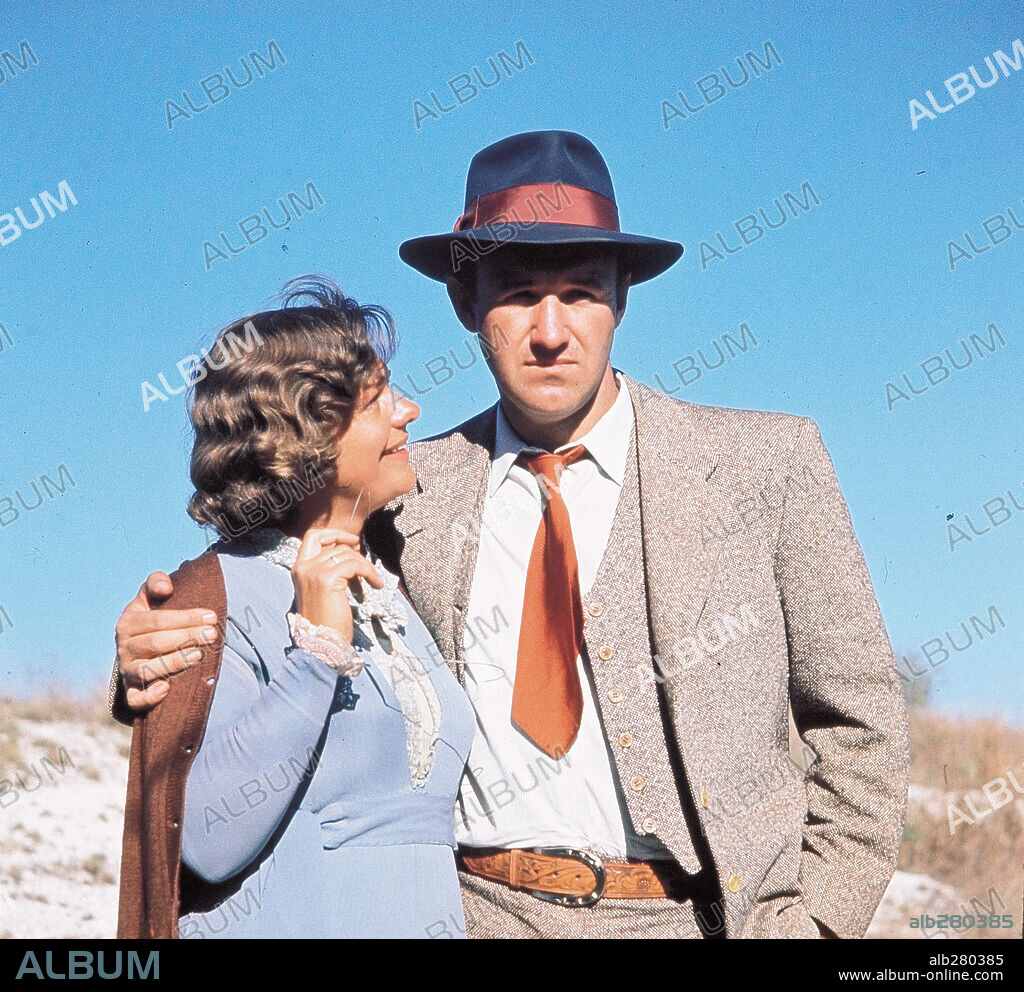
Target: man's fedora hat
(537, 188)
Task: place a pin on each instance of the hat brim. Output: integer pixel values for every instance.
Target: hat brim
(434, 256)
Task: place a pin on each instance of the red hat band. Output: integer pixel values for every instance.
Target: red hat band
(541, 203)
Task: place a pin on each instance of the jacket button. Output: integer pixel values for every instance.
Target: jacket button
(650, 824)
(733, 885)
(637, 783)
(614, 695)
(596, 608)
(626, 739)
(704, 800)
(606, 652)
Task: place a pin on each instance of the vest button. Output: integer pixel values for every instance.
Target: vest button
(606, 652)
(614, 695)
(626, 740)
(596, 608)
(637, 783)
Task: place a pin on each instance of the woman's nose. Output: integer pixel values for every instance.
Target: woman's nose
(405, 411)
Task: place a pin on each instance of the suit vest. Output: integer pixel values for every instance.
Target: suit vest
(617, 648)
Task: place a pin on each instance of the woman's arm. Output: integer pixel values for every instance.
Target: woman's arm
(256, 753)
(260, 738)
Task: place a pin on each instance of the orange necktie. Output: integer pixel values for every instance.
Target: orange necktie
(547, 701)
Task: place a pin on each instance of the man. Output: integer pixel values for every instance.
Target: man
(634, 591)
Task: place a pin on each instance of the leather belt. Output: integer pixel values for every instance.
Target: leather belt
(571, 877)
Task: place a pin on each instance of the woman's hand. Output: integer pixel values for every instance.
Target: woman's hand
(327, 566)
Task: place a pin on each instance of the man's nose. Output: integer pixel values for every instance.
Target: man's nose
(550, 328)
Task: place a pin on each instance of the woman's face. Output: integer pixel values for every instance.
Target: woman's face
(372, 457)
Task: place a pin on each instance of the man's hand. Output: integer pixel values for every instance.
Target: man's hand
(154, 644)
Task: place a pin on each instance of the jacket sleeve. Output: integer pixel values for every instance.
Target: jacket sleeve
(846, 697)
(258, 750)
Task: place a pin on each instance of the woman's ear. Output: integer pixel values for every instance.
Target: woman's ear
(463, 303)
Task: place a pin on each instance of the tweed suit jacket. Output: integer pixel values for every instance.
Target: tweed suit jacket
(758, 601)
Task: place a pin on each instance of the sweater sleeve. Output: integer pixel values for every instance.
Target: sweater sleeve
(255, 729)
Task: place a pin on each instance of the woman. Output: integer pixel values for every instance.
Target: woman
(319, 802)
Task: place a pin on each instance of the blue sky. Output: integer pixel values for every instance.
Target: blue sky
(850, 293)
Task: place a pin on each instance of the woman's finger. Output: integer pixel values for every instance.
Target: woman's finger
(332, 555)
(318, 538)
(347, 563)
(358, 565)
(337, 536)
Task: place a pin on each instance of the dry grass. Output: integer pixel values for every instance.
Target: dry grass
(958, 756)
(10, 752)
(961, 754)
(96, 868)
(57, 704)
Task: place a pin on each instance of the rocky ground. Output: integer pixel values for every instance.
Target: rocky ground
(62, 788)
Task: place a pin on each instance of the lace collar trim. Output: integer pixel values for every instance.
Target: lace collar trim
(380, 617)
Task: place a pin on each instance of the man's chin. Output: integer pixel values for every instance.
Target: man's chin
(551, 404)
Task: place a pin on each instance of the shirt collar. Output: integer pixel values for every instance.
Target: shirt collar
(607, 442)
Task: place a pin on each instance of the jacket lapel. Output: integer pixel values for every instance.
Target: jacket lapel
(680, 492)
(439, 527)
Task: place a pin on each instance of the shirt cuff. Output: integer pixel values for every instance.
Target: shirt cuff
(326, 644)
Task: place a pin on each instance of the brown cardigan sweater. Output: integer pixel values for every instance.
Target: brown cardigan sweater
(164, 743)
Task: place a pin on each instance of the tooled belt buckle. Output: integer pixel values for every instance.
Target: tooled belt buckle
(592, 861)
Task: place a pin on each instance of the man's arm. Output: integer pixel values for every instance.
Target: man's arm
(153, 645)
(846, 698)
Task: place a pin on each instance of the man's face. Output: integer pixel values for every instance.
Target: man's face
(546, 326)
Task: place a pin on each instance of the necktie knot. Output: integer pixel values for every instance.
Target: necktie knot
(548, 466)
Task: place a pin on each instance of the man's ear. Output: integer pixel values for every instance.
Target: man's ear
(464, 304)
(621, 290)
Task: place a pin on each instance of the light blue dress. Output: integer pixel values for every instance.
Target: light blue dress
(301, 817)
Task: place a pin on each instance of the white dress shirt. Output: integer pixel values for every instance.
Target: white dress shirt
(513, 794)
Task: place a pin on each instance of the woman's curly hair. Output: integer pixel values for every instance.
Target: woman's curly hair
(267, 417)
